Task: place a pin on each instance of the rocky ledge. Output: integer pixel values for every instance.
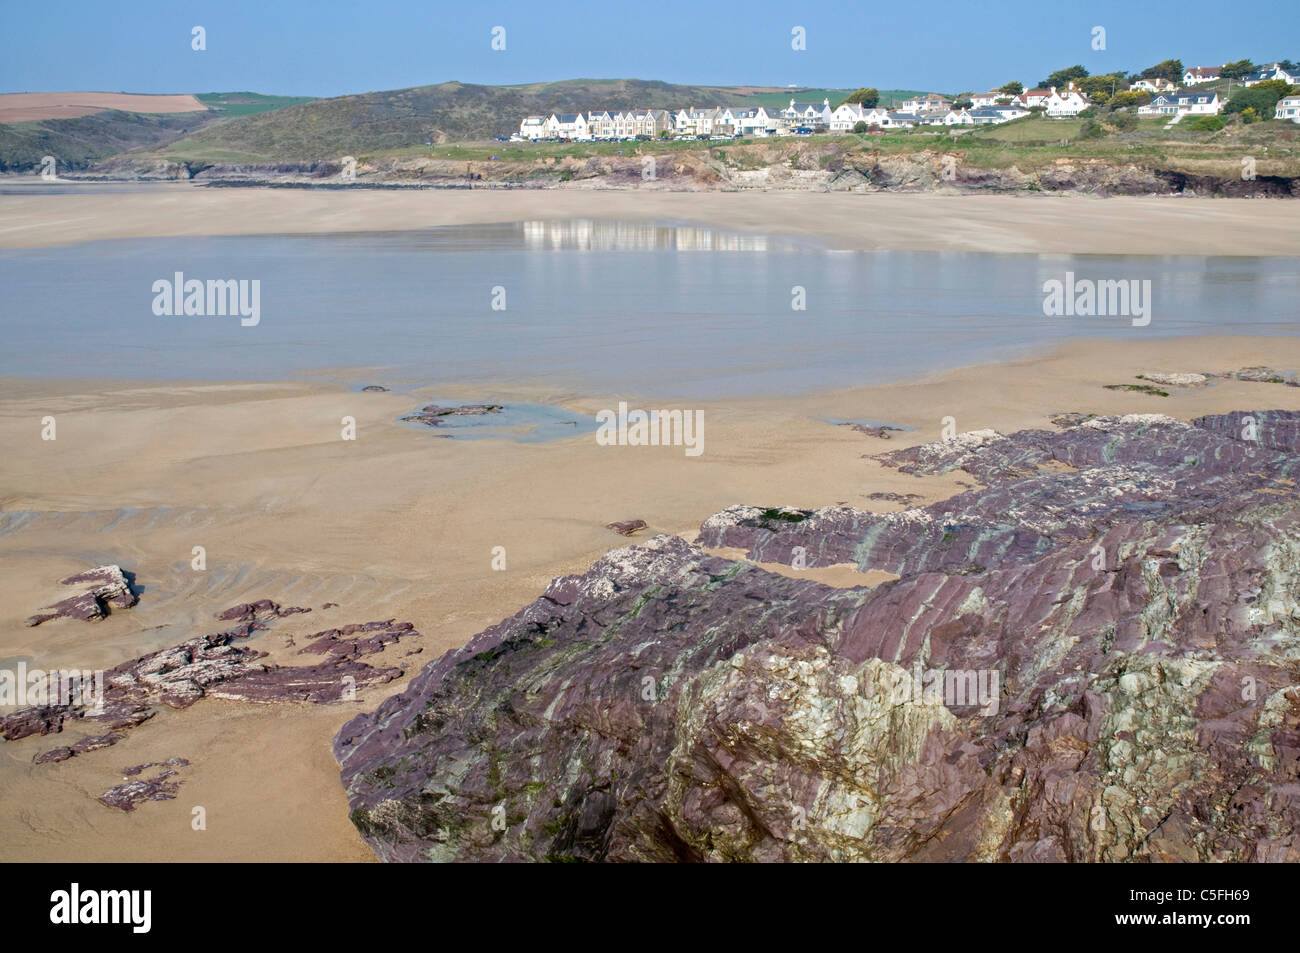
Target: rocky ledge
(212, 666)
(1092, 656)
(102, 589)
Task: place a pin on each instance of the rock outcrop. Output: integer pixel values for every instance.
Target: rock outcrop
(1092, 656)
(432, 415)
(159, 787)
(627, 527)
(102, 589)
(213, 666)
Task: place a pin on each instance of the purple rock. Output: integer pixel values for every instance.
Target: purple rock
(1087, 657)
(103, 589)
(628, 527)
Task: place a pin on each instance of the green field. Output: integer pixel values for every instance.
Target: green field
(247, 104)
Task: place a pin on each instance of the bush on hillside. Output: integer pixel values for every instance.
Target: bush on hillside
(1206, 124)
(1123, 121)
(1260, 99)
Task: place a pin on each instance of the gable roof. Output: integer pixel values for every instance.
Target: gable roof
(1183, 99)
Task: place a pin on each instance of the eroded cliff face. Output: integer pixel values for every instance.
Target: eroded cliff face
(1091, 657)
(786, 165)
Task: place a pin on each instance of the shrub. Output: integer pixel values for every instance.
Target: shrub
(1206, 124)
(1262, 99)
(1124, 121)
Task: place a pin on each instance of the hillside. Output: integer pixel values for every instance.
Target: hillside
(116, 126)
(325, 129)
(79, 143)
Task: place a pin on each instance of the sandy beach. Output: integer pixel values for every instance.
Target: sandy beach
(401, 524)
(1056, 224)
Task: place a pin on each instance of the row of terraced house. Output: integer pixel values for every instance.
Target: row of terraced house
(720, 121)
(928, 110)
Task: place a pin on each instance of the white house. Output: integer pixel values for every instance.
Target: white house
(958, 117)
(694, 121)
(809, 114)
(991, 98)
(929, 103)
(533, 128)
(1157, 85)
(728, 121)
(1183, 104)
(759, 121)
(1271, 71)
(900, 120)
(1070, 103)
(1035, 97)
(567, 126)
(847, 115)
(1288, 107)
(1196, 75)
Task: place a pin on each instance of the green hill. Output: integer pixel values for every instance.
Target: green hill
(81, 142)
(367, 123)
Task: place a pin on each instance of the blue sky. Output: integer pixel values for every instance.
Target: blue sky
(328, 48)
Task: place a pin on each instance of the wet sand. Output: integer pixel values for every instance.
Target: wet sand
(1057, 224)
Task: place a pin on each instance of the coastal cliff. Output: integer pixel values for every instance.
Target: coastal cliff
(799, 167)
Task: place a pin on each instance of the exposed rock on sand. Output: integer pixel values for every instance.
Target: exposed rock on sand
(1176, 380)
(881, 432)
(127, 795)
(1260, 375)
(432, 415)
(102, 587)
(1117, 641)
(89, 743)
(213, 665)
(258, 612)
(627, 527)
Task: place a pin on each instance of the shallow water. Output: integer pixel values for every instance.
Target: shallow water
(652, 310)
